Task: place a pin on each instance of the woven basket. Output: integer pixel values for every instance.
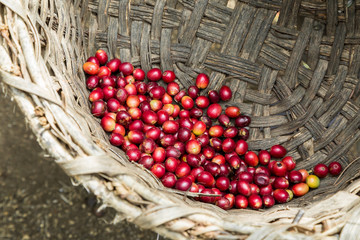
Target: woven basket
(296, 75)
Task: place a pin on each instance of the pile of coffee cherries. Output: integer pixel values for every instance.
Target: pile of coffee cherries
(188, 140)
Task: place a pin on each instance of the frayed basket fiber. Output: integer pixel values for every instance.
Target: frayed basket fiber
(293, 66)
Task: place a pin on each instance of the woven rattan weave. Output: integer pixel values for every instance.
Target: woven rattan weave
(293, 66)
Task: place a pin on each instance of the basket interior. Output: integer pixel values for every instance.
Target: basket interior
(293, 67)
(294, 70)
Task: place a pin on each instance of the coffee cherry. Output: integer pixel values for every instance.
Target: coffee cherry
(193, 92)
(255, 201)
(169, 180)
(205, 178)
(168, 76)
(300, 189)
(268, 201)
(279, 169)
(214, 110)
(335, 168)
(202, 81)
(313, 181)
(214, 96)
(222, 183)
(321, 170)
(281, 195)
(243, 188)
(251, 159)
(289, 162)
(93, 60)
(139, 74)
(277, 151)
(154, 75)
(295, 177)
(102, 56)
(241, 202)
(232, 112)
(187, 102)
(114, 64)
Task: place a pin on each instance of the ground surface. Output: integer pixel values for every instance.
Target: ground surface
(37, 199)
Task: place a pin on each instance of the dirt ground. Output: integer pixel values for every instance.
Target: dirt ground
(37, 199)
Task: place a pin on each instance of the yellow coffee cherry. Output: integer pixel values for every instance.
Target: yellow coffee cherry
(313, 181)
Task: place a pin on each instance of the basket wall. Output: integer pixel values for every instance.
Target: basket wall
(296, 74)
